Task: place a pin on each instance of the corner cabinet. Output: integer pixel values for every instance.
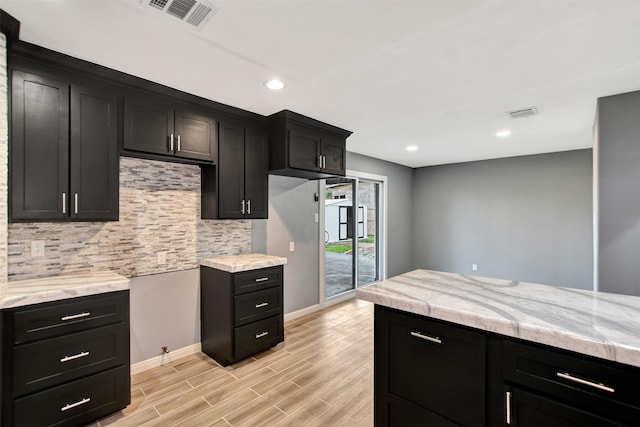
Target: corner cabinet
(435, 373)
(237, 187)
(169, 129)
(304, 147)
(65, 362)
(64, 153)
(240, 313)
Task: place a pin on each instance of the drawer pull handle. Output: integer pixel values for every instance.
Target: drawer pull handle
(599, 386)
(73, 405)
(264, 334)
(76, 316)
(436, 340)
(262, 279)
(262, 304)
(508, 404)
(75, 356)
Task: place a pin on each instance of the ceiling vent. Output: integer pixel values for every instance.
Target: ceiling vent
(523, 112)
(193, 12)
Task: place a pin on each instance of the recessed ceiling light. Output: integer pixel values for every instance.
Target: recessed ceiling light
(274, 84)
(412, 148)
(503, 133)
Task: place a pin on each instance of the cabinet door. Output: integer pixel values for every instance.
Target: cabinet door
(94, 154)
(531, 410)
(333, 152)
(148, 125)
(304, 148)
(231, 171)
(39, 148)
(195, 134)
(256, 170)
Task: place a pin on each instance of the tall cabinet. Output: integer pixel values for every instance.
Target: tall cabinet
(617, 179)
(64, 156)
(237, 187)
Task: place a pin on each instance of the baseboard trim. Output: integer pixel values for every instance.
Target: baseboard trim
(303, 312)
(156, 361)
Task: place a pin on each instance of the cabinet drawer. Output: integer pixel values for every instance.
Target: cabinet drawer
(57, 318)
(570, 376)
(253, 280)
(258, 305)
(53, 361)
(437, 366)
(257, 336)
(75, 403)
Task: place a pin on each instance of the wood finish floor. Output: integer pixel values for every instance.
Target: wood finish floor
(322, 375)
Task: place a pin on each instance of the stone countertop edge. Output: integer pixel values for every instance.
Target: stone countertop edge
(54, 288)
(244, 262)
(597, 324)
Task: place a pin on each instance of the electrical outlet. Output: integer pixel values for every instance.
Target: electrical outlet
(292, 246)
(37, 248)
(162, 258)
(316, 217)
(474, 267)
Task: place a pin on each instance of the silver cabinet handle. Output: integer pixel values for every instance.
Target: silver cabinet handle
(242, 209)
(436, 340)
(64, 203)
(262, 279)
(262, 304)
(75, 356)
(599, 386)
(320, 162)
(178, 142)
(171, 143)
(73, 405)
(508, 403)
(264, 334)
(324, 162)
(248, 207)
(75, 197)
(76, 316)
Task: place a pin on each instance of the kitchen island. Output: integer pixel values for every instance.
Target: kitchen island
(503, 350)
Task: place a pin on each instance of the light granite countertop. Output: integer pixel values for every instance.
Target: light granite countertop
(34, 291)
(246, 262)
(598, 324)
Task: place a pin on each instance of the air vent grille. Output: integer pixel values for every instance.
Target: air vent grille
(193, 12)
(523, 112)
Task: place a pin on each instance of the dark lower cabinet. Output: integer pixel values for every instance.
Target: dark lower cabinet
(434, 373)
(65, 363)
(64, 153)
(240, 313)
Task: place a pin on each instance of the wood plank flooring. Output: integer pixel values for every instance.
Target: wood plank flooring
(322, 375)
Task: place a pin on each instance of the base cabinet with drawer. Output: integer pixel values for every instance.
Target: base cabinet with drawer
(434, 373)
(65, 363)
(240, 313)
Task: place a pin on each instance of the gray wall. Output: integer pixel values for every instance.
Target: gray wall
(522, 218)
(618, 151)
(291, 219)
(165, 310)
(399, 205)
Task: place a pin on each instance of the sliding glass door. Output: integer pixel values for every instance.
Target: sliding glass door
(352, 234)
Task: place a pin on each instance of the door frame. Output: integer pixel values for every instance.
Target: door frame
(381, 256)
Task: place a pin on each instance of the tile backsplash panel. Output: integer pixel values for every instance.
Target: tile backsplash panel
(4, 143)
(159, 211)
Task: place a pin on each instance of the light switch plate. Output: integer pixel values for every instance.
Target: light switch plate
(162, 258)
(37, 248)
(292, 246)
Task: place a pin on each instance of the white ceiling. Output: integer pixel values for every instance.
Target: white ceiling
(436, 74)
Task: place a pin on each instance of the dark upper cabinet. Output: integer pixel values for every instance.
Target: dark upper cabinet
(304, 147)
(237, 187)
(159, 126)
(64, 158)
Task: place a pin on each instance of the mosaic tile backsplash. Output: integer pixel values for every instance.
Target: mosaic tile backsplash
(159, 211)
(4, 143)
